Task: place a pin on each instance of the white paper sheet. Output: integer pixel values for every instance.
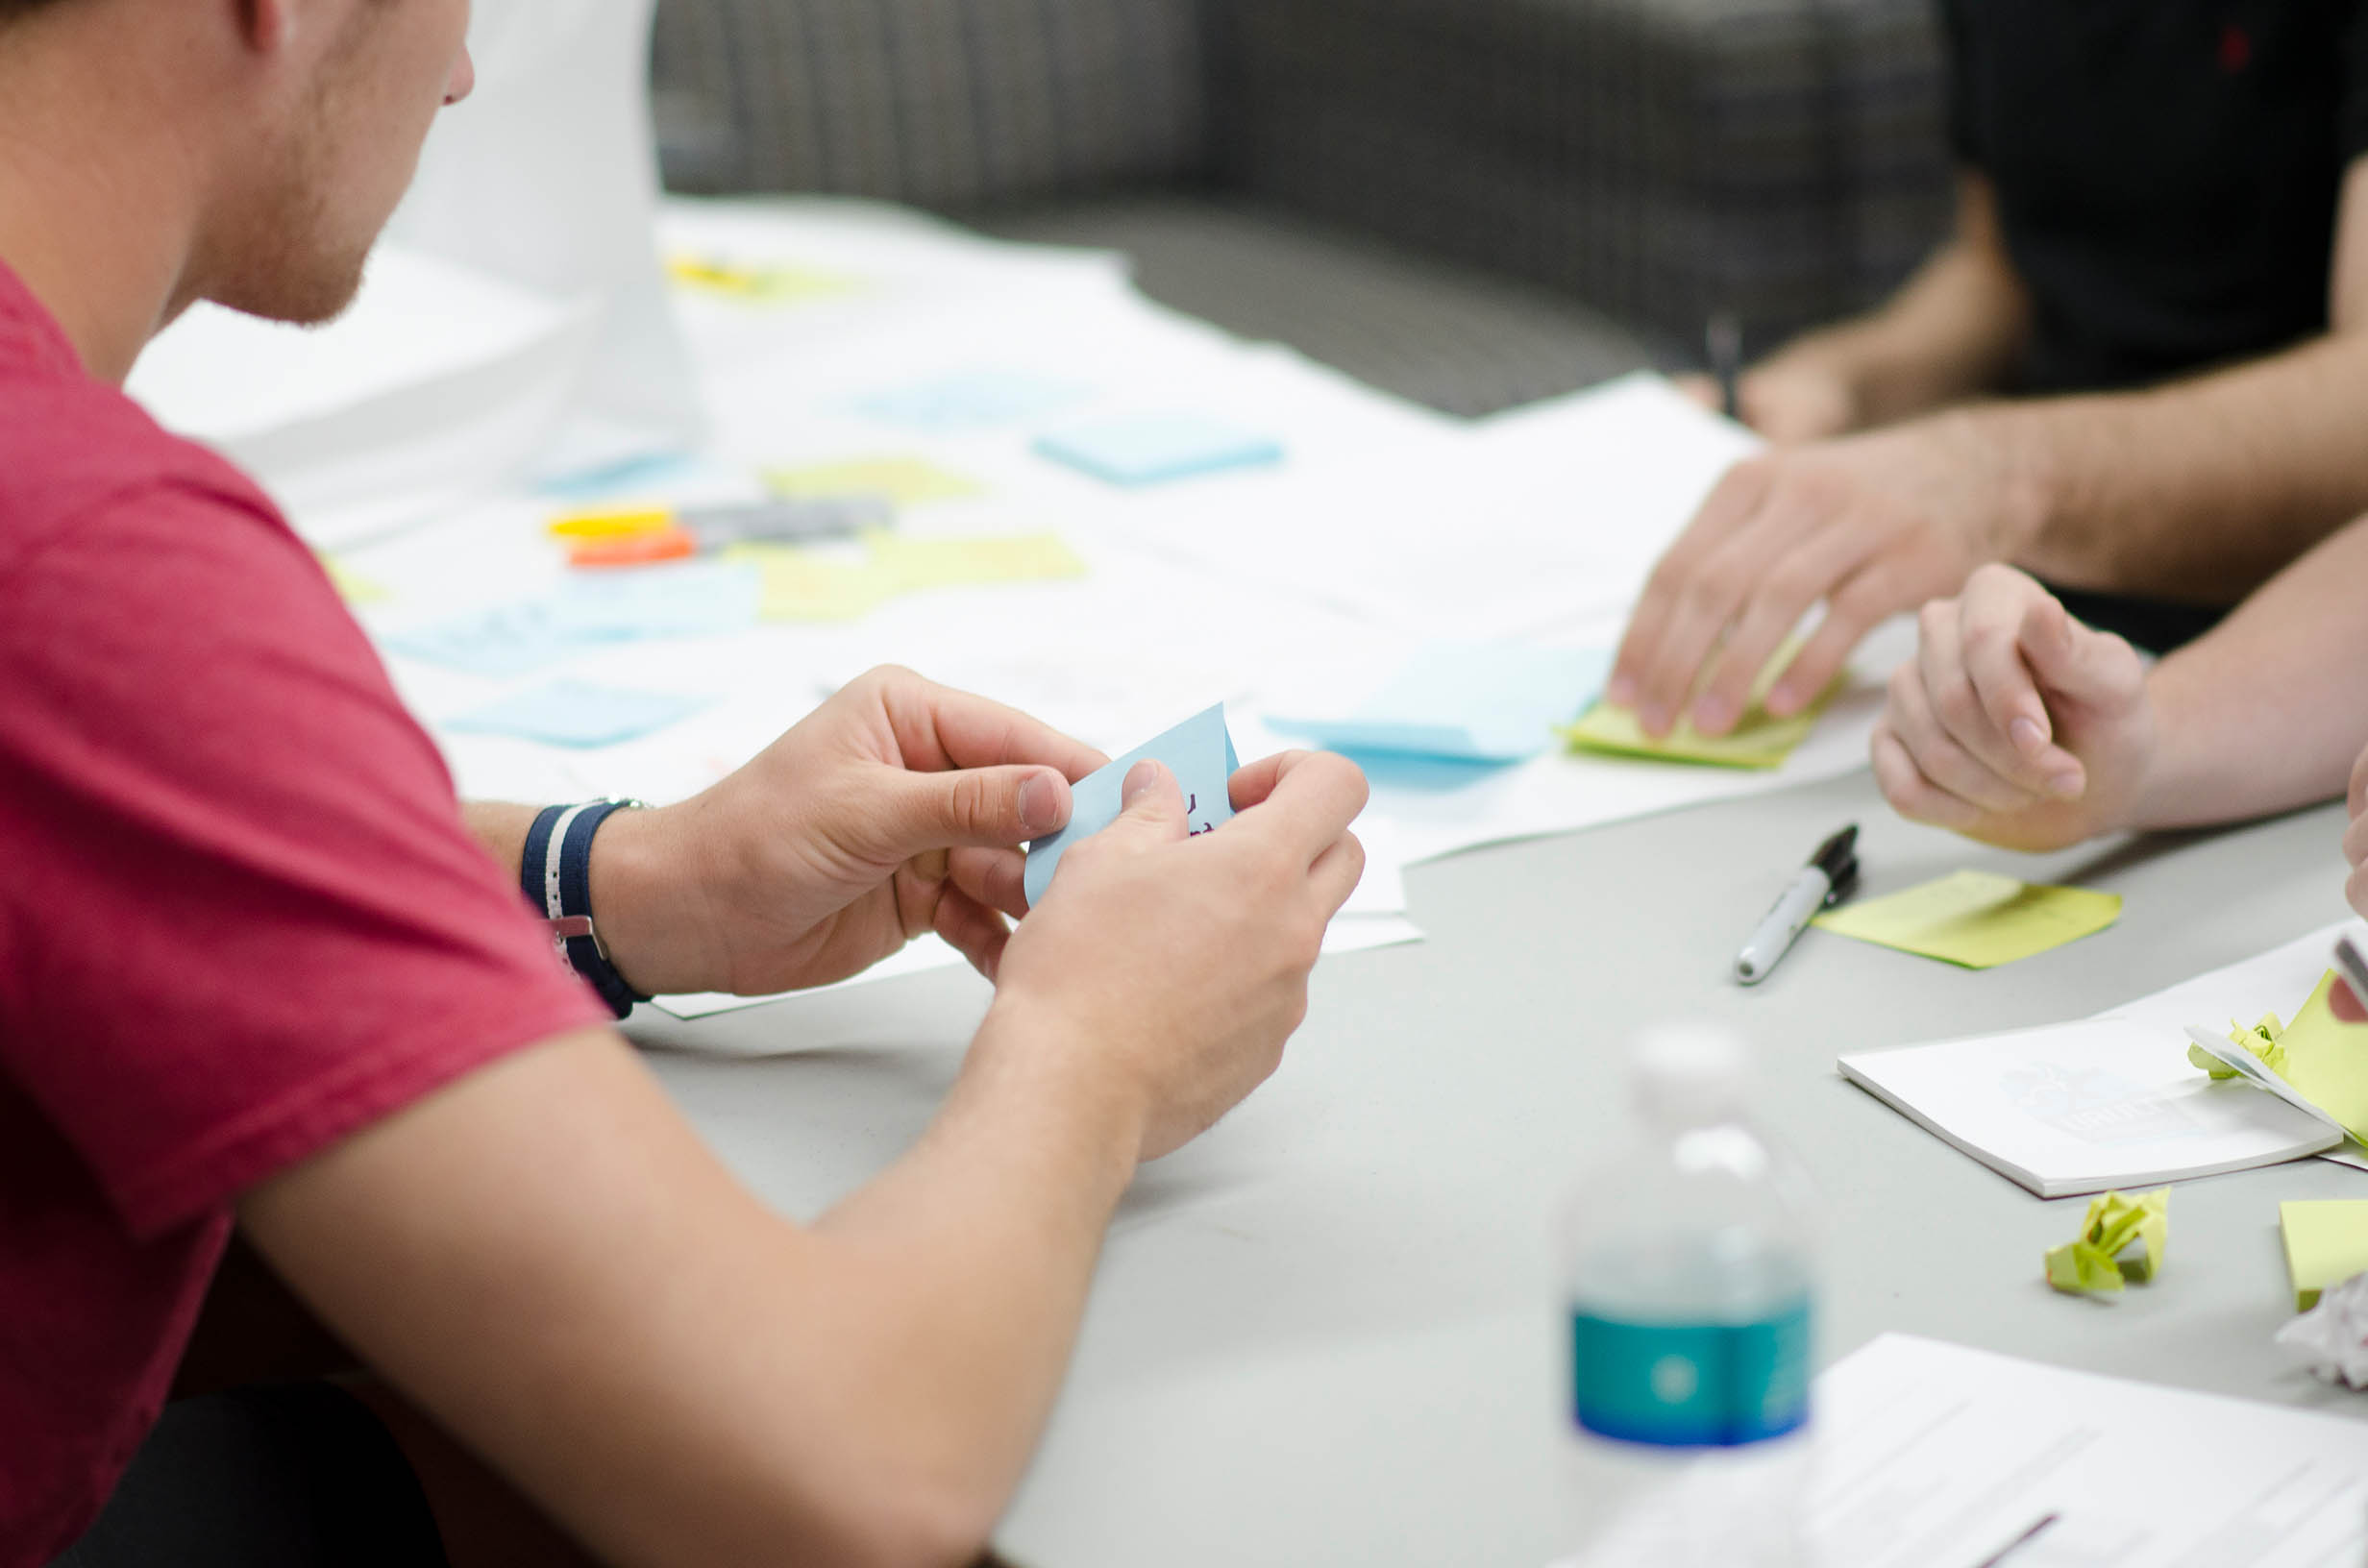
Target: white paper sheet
(2112, 1101)
(1939, 1455)
(1347, 934)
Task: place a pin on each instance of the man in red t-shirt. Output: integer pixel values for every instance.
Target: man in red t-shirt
(260, 972)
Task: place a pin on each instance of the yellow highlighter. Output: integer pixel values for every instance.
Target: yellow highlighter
(644, 535)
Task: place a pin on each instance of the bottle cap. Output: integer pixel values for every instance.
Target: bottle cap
(1690, 1070)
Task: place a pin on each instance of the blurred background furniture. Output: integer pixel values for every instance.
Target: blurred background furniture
(1472, 204)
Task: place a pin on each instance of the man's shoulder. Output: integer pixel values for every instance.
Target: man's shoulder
(70, 447)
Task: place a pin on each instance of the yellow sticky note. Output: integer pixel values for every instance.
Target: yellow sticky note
(1978, 920)
(1757, 740)
(811, 585)
(2325, 1244)
(757, 284)
(2327, 1059)
(833, 583)
(908, 481)
(916, 564)
(351, 585)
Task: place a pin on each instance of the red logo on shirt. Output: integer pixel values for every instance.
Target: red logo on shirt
(2235, 48)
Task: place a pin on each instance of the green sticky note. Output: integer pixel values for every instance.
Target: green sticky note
(2325, 1244)
(907, 481)
(1757, 740)
(843, 582)
(2327, 1059)
(2092, 1261)
(1976, 920)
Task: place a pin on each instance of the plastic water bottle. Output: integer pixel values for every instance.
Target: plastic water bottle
(1689, 1279)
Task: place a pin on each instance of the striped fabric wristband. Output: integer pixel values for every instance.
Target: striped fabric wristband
(556, 874)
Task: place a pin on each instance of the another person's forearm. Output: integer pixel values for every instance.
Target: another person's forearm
(2199, 490)
(1952, 332)
(2267, 712)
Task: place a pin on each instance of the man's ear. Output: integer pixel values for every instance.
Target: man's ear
(266, 25)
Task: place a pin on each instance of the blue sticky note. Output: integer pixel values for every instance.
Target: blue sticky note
(1199, 752)
(693, 599)
(971, 400)
(574, 713)
(1469, 701)
(1144, 449)
(503, 641)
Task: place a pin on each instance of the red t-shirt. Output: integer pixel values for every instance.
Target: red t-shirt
(239, 914)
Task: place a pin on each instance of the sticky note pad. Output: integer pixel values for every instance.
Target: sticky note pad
(908, 481)
(2327, 1059)
(1199, 752)
(1976, 920)
(2325, 1244)
(973, 400)
(843, 583)
(690, 598)
(574, 713)
(1469, 701)
(1146, 449)
(506, 640)
(815, 585)
(916, 564)
(1757, 740)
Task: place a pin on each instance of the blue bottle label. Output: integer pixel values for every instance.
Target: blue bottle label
(1691, 1384)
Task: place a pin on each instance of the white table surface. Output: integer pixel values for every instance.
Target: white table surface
(1326, 1333)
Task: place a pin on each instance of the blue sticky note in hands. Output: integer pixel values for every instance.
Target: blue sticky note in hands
(1199, 752)
(574, 713)
(1469, 702)
(1144, 449)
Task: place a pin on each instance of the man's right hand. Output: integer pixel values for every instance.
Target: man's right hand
(1178, 966)
(2014, 724)
(1869, 526)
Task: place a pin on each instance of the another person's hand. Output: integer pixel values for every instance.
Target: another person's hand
(1870, 524)
(2014, 724)
(2348, 1006)
(1178, 966)
(1788, 399)
(897, 807)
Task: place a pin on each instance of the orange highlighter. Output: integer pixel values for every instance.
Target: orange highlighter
(642, 536)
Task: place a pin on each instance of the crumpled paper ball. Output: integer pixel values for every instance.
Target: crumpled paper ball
(2332, 1338)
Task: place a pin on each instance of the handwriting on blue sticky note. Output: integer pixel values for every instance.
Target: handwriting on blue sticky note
(506, 640)
(574, 713)
(973, 400)
(1471, 701)
(1199, 752)
(1146, 449)
(690, 600)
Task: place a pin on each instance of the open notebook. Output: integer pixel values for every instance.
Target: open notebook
(2113, 1100)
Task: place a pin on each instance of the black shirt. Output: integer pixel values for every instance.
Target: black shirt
(2167, 171)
